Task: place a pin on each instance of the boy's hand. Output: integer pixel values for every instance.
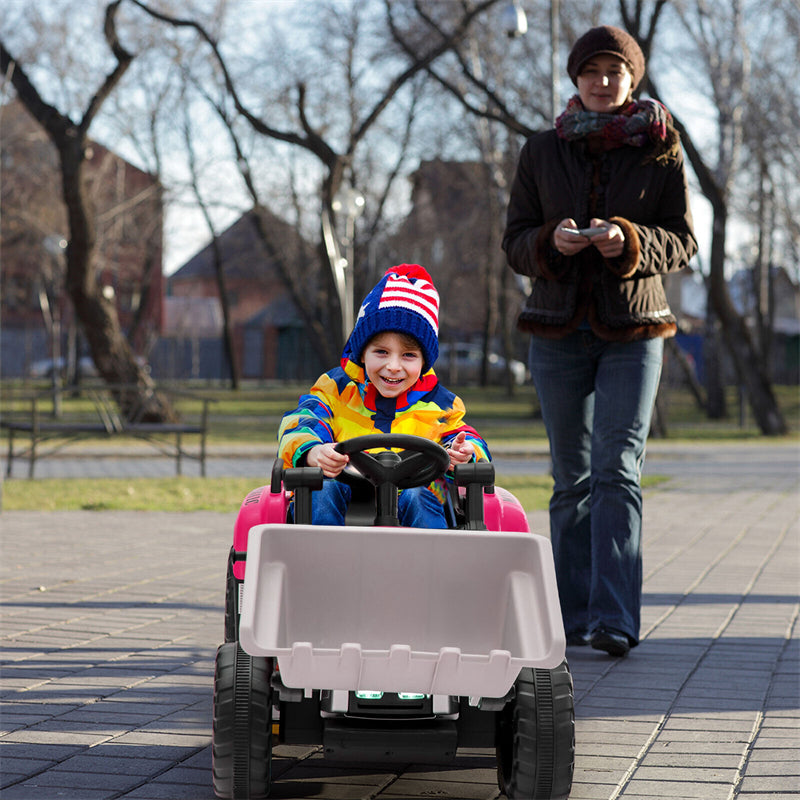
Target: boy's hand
(461, 451)
(327, 459)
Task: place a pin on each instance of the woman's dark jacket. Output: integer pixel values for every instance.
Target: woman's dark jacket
(622, 298)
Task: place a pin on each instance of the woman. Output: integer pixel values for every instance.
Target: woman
(598, 213)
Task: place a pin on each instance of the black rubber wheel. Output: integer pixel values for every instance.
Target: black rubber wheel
(231, 603)
(241, 739)
(536, 736)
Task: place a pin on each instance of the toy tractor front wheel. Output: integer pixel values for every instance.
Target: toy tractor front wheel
(241, 745)
(231, 602)
(536, 736)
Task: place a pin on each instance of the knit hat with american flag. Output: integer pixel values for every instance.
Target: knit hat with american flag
(403, 300)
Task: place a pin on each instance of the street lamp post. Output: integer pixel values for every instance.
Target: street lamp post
(514, 20)
(554, 35)
(51, 311)
(351, 203)
(515, 23)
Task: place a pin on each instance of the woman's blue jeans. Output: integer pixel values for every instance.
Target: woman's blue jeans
(416, 508)
(597, 401)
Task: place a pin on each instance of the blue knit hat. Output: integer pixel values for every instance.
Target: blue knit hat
(404, 300)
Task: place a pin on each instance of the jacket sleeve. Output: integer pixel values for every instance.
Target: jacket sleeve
(669, 243)
(309, 424)
(527, 237)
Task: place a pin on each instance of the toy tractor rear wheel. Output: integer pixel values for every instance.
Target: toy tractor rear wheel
(536, 736)
(241, 744)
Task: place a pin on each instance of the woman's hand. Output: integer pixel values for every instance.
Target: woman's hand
(327, 459)
(461, 451)
(568, 244)
(611, 242)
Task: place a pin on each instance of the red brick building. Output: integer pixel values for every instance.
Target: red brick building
(269, 337)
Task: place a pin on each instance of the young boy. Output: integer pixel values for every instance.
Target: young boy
(385, 384)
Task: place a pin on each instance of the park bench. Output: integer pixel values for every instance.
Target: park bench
(90, 411)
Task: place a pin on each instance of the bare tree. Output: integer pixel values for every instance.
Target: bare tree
(336, 162)
(720, 38)
(147, 121)
(727, 65)
(771, 162)
(468, 73)
(97, 315)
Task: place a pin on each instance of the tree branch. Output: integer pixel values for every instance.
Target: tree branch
(420, 62)
(124, 59)
(49, 117)
(310, 143)
(705, 176)
(503, 115)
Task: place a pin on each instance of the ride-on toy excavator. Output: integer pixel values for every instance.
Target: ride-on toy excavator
(382, 643)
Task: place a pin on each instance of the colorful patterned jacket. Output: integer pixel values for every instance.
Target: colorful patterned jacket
(343, 404)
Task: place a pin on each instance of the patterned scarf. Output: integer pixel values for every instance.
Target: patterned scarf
(639, 123)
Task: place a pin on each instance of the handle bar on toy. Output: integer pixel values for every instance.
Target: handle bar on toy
(476, 478)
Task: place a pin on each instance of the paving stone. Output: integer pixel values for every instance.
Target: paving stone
(601, 763)
(58, 778)
(171, 791)
(37, 736)
(770, 783)
(322, 771)
(590, 790)
(789, 768)
(185, 776)
(19, 767)
(700, 774)
(770, 741)
(749, 795)
(405, 787)
(692, 760)
(773, 755)
(676, 788)
(35, 791)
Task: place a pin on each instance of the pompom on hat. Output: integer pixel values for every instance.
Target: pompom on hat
(404, 300)
(607, 39)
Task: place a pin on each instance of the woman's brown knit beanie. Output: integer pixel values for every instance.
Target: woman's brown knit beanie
(611, 40)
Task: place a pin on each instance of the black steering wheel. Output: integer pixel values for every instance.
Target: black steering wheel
(421, 461)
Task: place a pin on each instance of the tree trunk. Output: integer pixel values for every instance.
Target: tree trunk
(227, 328)
(658, 423)
(111, 352)
(689, 372)
(112, 355)
(750, 370)
(716, 404)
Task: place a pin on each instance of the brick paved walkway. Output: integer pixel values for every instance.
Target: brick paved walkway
(111, 620)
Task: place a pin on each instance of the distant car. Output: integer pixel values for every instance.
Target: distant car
(461, 363)
(45, 367)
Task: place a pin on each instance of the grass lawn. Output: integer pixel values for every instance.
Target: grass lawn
(252, 415)
(196, 494)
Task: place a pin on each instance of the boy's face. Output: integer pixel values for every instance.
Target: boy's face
(392, 363)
